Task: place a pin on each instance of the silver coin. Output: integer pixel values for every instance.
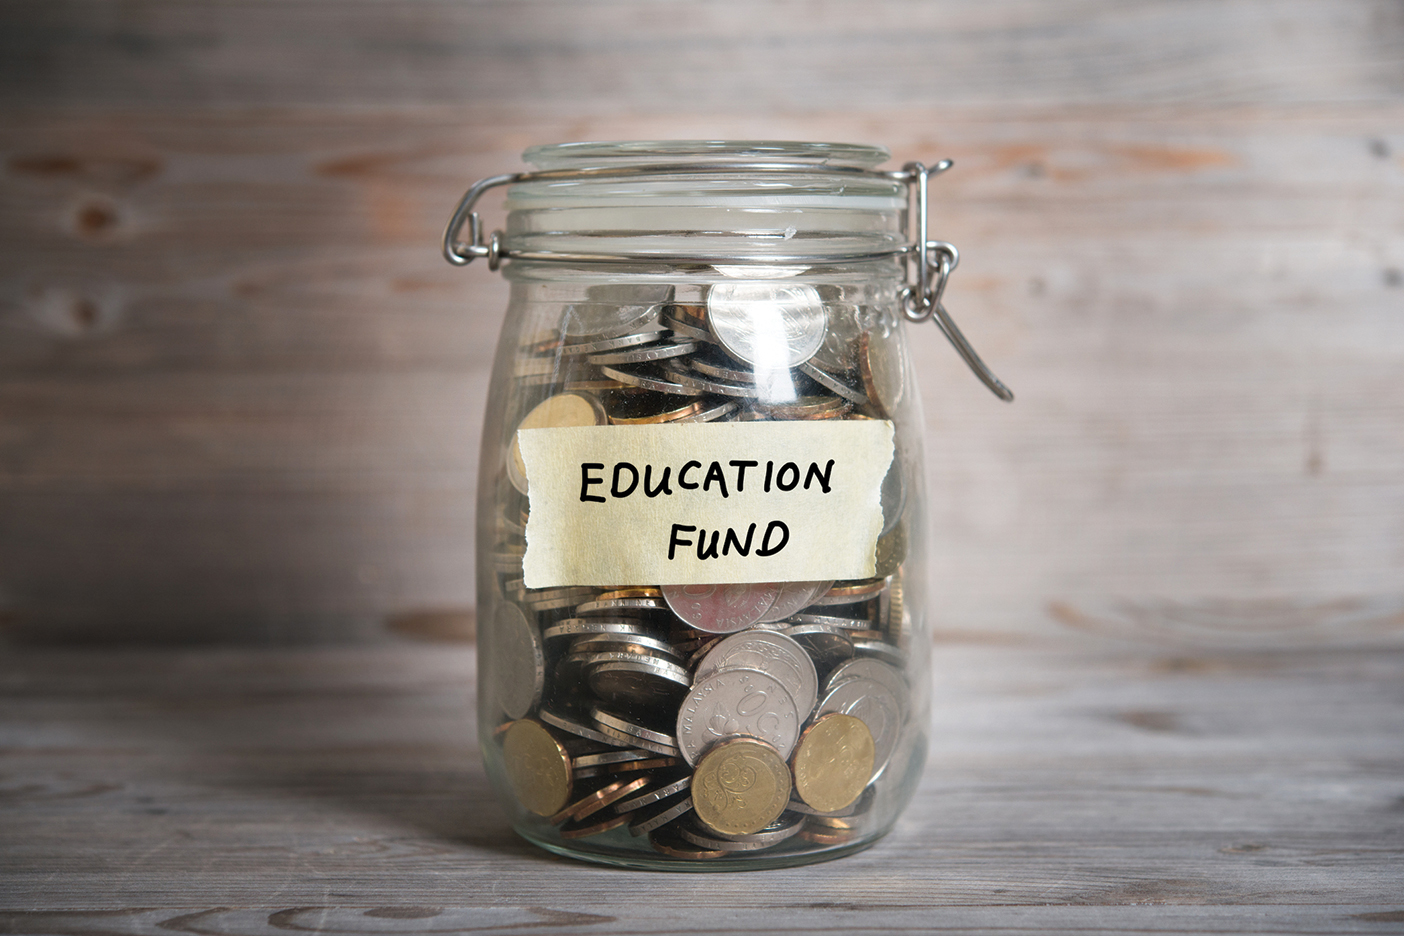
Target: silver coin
(737, 702)
(637, 682)
(828, 620)
(876, 670)
(839, 352)
(658, 795)
(514, 662)
(721, 371)
(576, 627)
(793, 597)
(877, 706)
(827, 646)
(644, 355)
(835, 383)
(614, 309)
(621, 604)
(620, 728)
(689, 332)
(656, 817)
(880, 650)
(778, 831)
(626, 643)
(649, 381)
(703, 385)
(771, 653)
(714, 413)
(773, 326)
(611, 757)
(611, 344)
(577, 728)
(721, 609)
(882, 362)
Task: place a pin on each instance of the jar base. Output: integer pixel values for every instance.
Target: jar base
(604, 853)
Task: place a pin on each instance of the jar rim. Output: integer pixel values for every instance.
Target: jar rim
(585, 154)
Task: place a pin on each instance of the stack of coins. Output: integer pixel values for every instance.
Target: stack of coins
(717, 720)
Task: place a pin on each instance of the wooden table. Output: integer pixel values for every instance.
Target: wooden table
(1078, 786)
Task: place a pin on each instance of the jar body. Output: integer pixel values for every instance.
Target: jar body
(638, 713)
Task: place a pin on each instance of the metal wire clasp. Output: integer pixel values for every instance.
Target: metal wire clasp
(933, 261)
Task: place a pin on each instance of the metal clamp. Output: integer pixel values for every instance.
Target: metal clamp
(929, 262)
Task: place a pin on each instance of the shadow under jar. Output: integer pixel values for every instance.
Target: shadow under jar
(703, 631)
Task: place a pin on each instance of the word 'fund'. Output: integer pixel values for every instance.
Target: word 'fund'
(626, 478)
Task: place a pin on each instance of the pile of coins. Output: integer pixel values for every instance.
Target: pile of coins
(717, 720)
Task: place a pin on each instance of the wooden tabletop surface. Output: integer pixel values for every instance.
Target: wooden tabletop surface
(1085, 786)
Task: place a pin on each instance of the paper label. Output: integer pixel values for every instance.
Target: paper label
(704, 503)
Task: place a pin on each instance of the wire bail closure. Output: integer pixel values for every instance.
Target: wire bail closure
(929, 263)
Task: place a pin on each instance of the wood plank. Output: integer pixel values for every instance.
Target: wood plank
(1070, 785)
(625, 56)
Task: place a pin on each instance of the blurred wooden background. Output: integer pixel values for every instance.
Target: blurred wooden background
(240, 391)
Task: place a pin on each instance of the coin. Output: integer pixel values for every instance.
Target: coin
(563, 409)
(612, 757)
(649, 379)
(737, 702)
(794, 596)
(579, 828)
(604, 606)
(839, 351)
(880, 650)
(688, 332)
(659, 352)
(876, 705)
(819, 835)
(891, 550)
(633, 591)
(721, 609)
(610, 344)
(625, 643)
(591, 803)
(875, 670)
(575, 627)
(773, 834)
(537, 766)
(515, 665)
(564, 723)
(711, 414)
(833, 761)
(614, 309)
(834, 382)
(628, 732)
(637, 682)
(881, 362)
(703, 385)
(740, 786)
(654, 817)
(830, 620)
(648, 409)
(851, 592)
(856, 808)
(721, 369)
(771, 653)
(773, 326)
(827, 646)
(674, 846)
(606, 770)
(657, 795)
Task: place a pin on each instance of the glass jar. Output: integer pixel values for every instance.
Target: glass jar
(701, 522)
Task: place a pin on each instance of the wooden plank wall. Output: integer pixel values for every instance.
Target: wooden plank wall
(240, 392)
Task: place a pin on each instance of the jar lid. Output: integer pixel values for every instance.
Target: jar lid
(708, 199)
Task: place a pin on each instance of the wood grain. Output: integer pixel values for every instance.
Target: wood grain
(1069, 786)
(240, 391)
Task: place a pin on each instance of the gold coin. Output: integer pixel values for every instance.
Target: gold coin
(633, 591)
(537, 767)
(833, 762)
(883, 367)
(891, 550)
(563, 409)
(740, 786)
